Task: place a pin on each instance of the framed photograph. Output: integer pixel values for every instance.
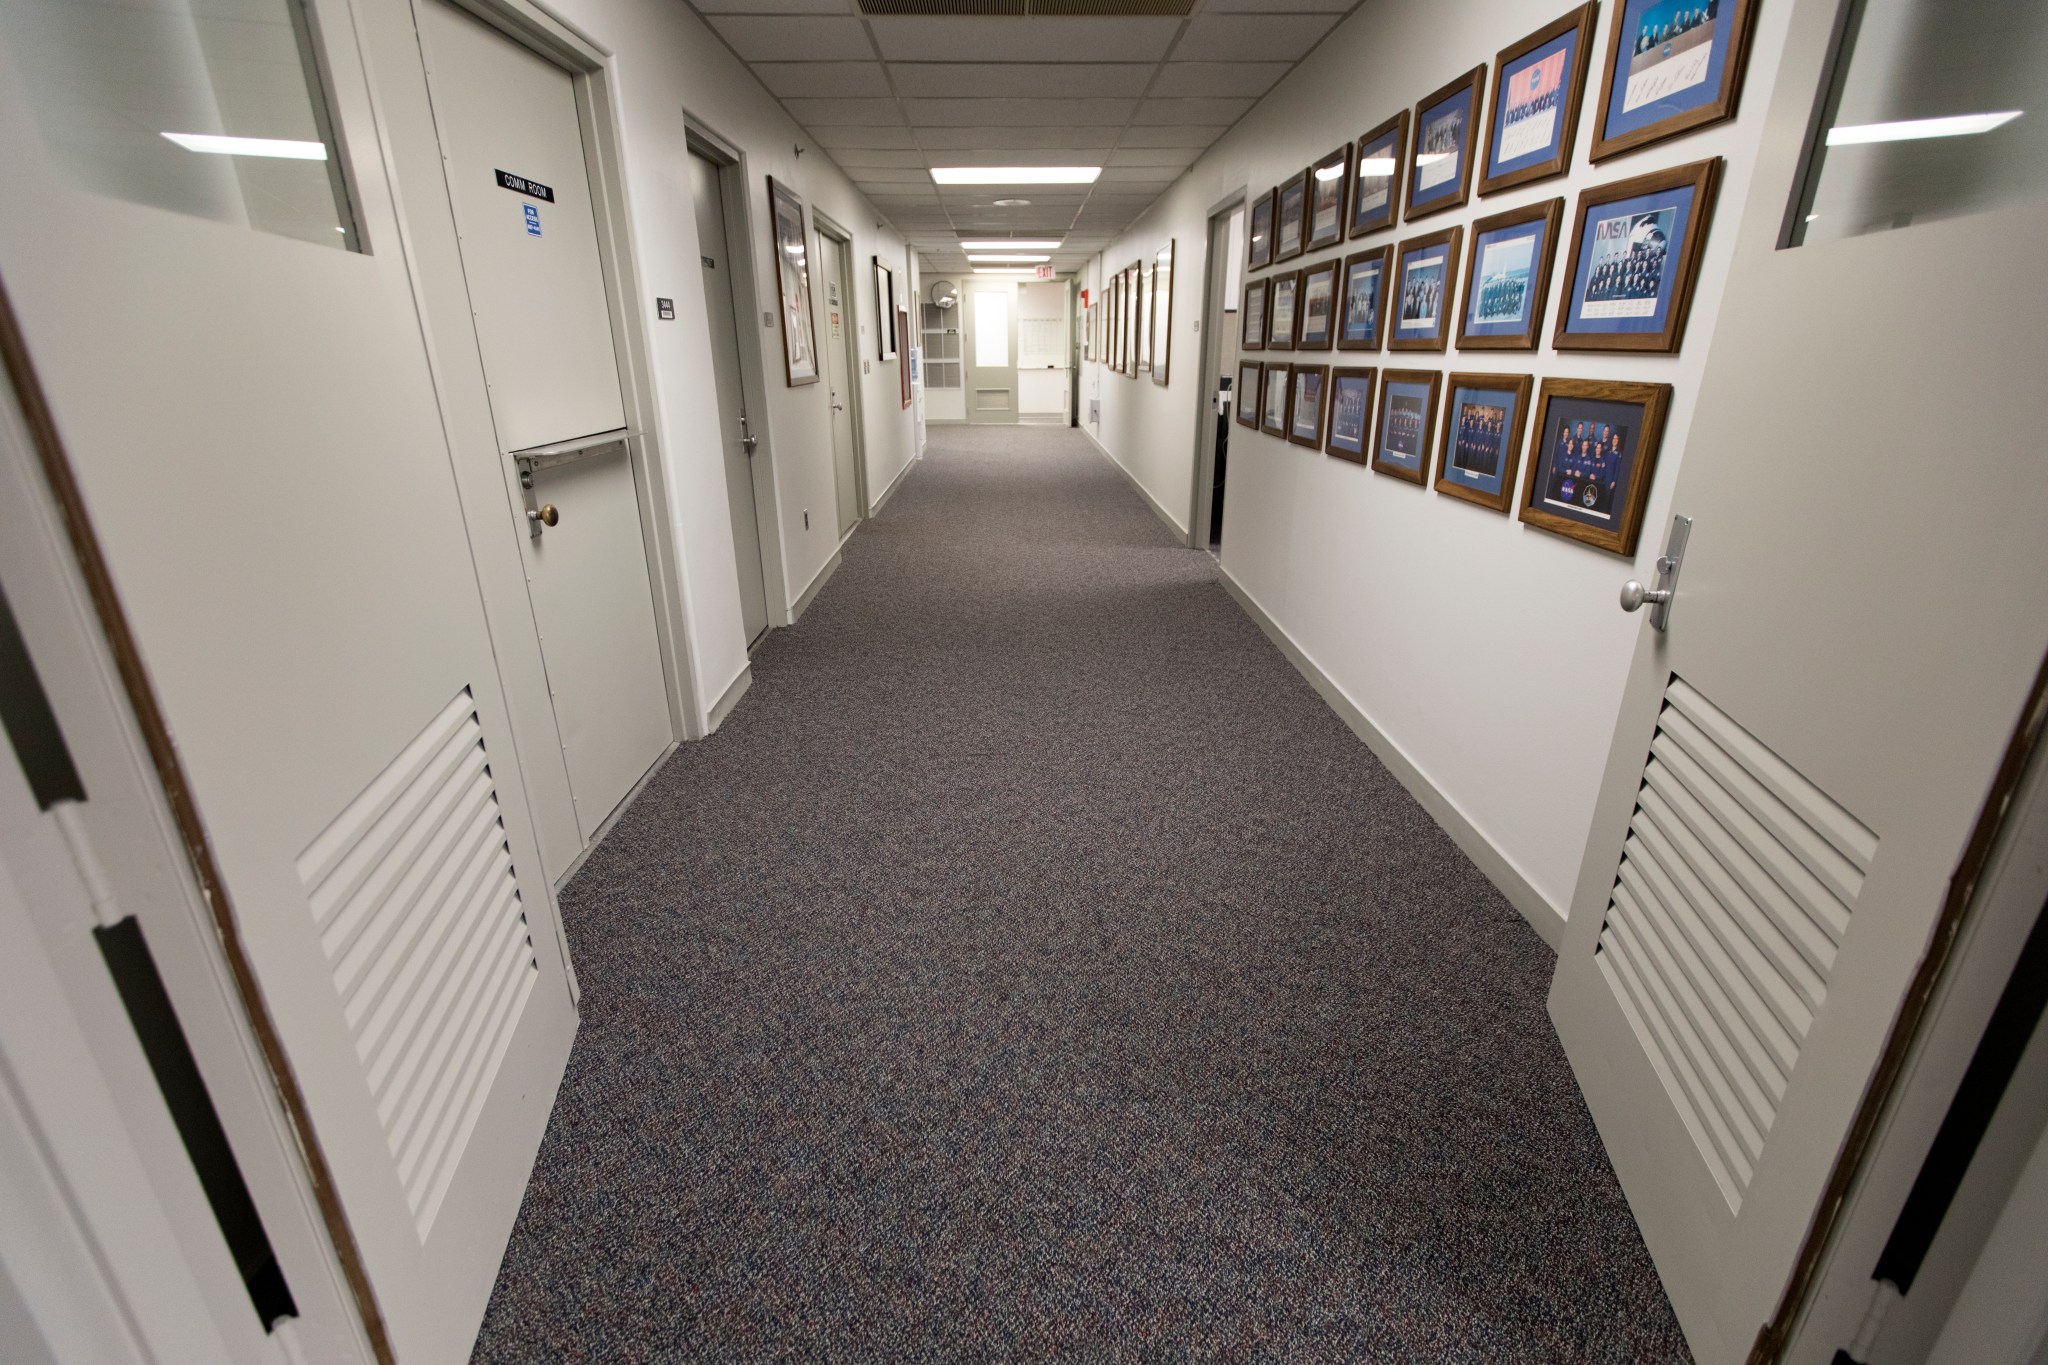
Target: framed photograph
(1595, 454)
(1481, 446)
(1446, 143)
(1248, 393)
(1362, 324)
(904, 372)
(793, 285)
(1634, 259)
(1672, 66)
(1317, 307)
(1537, 84)
(1282, 305)
(1350, 418)
(1134, 310)
(1425, 277)
(1507, 278)
(1251, 317)
(1142, 284)
(1400, 445)
(1273, 403)
(1258, 233)
(1305, 410)
(1376, 176)
(1162, 310)
(885, 309)
(1329, 187)
(1290, 217)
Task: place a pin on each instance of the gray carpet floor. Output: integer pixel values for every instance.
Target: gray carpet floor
(1033, 967)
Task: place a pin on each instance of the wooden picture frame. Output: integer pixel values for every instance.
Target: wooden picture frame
(1629, 116)
(1363, 288)
(1251, 316)
(1425, 275)
(1507, 278)
(885, 310)
(1595, 496)
(1376, 198)
(1276, 388)
(1142, 273)
(1480, 449)
(1538, 84)
(1162, 312)
(1350, 408)
(1406, 423)
(1290, 217)
(1313, 330)
(1446, 126)
(1329, 196)
(1283, 310)
(903, 368)
(1258, 232)
(1311, 384)
(1641, 216)
(1250, 393)
(788, 238)
(1135, 289)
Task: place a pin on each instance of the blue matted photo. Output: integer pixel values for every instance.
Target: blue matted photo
(1362, 306)
(1376, 176)
(1635, 255)
(1505, 263)
(1425, 281)
(1440, 172)
(1672, 66)
(1350, 413)
(1594, 454)
(1482, 437)
(1533, 115)
(1406, 422)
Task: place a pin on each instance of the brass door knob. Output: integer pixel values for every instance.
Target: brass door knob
(547, 515)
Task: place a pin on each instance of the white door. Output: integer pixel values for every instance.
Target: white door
(513, 148)
(246, 403)
(839, 328)
(738, 444)
(1799, 761)
(991, 344)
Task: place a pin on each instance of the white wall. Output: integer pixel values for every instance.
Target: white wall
(668, 67)
(1491, 654)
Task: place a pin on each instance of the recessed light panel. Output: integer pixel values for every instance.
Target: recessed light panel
(1015, 175)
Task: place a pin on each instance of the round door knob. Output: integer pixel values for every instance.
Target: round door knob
(1634, 595)
(548, 516)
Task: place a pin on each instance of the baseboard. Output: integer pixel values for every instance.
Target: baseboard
(1180, 532)
(810, 594)
(887, 493)
(1546, 919)
(722, 708)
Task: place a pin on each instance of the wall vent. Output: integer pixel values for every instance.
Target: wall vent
(1143, 9)
(1735, 889)
(413, 891)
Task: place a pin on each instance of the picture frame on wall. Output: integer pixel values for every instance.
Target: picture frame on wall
(1595, 453)
(1290, 217)
(1249, 392)
(1507, 278)
(885, 310)
(1310, 392)
(1538, 84)
(1251, 317)
(1634, 259)
(1258, 233)
(1481, 447)
(1162, 311)
(1134, 319)
(904, 373)
(1407, 420)
(1350, 405)
(1282, 307)
(1377, 173)
(1329, 187)
(1363, 294)
(1446, 145)
(1141, 290)
(1318, 307)
(1672, 66)
(1425, 278)
(1277, 381)
(792, 285)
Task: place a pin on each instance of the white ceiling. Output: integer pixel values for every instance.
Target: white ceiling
(890, 97)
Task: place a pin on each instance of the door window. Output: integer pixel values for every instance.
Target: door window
(991, 330)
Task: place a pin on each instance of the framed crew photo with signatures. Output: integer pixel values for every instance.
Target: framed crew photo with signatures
(1290, 217)
(1400, 446)
(1595, 453)
(1481, 447)
(1507, 278)
(1362, 294)
(1634, 258)
(1281, 306)
(1350, 419)
(1258, 233)
(1305, 408)
(1251, 316)
(1672, 66)
(1317, 307)
(1446, 145)
(1247, 395)
(1537, 86)
(1425, 277)
(1273, 405)
(1376, 176)
(1329, 186)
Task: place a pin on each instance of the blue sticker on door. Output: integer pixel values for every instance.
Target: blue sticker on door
(532, 219)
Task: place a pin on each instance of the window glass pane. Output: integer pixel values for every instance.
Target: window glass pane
(992, 329)
(205, 107)
(1938, 110)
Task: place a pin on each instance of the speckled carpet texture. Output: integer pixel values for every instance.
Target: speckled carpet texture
(1032, 968)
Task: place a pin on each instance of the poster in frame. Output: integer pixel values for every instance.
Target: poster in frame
(792, 285)
(1592, 457)
(1317, 307)
(1142, 275)
(1537, 86)
(1446, 145)
(1290, 217)
(1251, 316)
(885, 310)
(1329, 189)
(1350, 407)
(1481, 447)
(904, 371)
(1672, 66)
(1134, 319)
(1634, 259)
(1306, 405)
(1507, 278)
(1162, 311)
(1258, 233)
(1277, 383)
(1425, 279)
(1282, 310)
(1249, 392)
(1377, 174)
(1362, 299)
(1407, 420)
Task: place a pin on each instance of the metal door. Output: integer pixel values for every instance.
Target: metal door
(1801, 755)
(512, 143)
(839, 331)
(989, 341)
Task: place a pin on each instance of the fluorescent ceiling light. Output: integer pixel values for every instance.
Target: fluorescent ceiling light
(1015, 244)
(1908, 130)
(1329, 172)
(1015, 175)
(250, 146)
(997, 259)
(1002, 270)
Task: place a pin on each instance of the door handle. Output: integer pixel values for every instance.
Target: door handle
(748, 442)
(544, 515)
(1634, 596)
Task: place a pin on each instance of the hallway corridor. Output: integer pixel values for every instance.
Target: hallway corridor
(1033, 966)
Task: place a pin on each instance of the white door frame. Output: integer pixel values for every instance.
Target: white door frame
(1214, 311)
(856, 354)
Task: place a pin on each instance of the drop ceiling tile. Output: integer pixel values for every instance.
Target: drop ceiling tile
(888, 175)
(784, 7)
(1183, 113)
(1119, 179)
(1196, 136)
(824, 113)
(869, 136)
(1252, 38)
(854, 158)
(1218, 78)
(791, 38)
(1060, 143)
(982, 80)
(1016, 113)
(1023, 40)
(812, 80)
(1173, 158)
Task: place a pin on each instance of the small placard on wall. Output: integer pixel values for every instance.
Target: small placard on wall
(665, 309)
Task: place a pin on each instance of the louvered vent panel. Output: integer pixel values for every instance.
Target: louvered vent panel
(1735, 888)
(418, 909)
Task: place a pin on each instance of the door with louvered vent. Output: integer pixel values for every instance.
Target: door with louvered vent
(1800, 758)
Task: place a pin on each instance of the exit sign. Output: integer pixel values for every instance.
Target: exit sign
(1045, 272)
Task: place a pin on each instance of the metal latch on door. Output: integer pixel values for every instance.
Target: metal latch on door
(531, 461)
(1635, 596)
